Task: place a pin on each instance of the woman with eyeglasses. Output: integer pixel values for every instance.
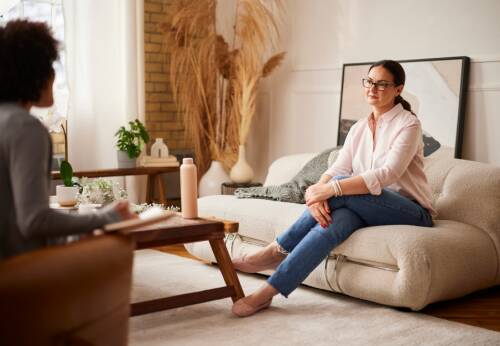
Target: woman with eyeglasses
(377, 179)
(27, 53)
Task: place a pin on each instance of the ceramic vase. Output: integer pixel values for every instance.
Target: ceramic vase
(159, 149)
(210, 183)
(241, 171)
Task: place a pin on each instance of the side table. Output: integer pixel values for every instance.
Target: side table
(228, 188)
(154, 178)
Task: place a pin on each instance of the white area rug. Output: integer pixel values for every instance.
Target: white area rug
(308, 317)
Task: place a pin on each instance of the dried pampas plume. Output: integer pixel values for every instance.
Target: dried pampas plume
(215, 83)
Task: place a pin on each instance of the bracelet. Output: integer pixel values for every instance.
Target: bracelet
(336, 187)
(340, 189)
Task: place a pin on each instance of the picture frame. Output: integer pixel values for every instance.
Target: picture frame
(436, 89)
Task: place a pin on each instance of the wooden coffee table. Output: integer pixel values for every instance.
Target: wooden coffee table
(177, 230)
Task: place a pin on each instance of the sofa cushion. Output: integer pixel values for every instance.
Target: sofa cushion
(258, 218)
(285, 168)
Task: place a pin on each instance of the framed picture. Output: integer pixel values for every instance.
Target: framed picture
(435, 88)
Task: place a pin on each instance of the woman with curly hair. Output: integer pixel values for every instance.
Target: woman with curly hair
(27, 53)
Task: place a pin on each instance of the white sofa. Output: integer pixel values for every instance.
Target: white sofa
(404, 266)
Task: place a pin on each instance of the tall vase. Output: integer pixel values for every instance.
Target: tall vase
(210, 183)
(241, 171)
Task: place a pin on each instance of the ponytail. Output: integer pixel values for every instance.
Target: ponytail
(406, 105)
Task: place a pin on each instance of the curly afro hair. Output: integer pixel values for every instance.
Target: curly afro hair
(27, 52)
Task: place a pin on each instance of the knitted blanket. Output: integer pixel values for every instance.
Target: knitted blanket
(294, 190)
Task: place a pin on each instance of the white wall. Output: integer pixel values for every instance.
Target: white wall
(301, 102)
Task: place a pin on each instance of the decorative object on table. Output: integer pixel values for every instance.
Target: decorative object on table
(214, 83)
(436, 89)
(67, 193)
(212, 180)
(241, 172)
(159, 149)
(228, 188)
(130, 143)
(159, 156)
(139, 208)
(189, 189)
(149, 161)
(99, 191)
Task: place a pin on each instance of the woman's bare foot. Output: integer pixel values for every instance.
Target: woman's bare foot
(259, 300)
(267, 258)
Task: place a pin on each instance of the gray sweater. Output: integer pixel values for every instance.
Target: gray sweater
(26, 220)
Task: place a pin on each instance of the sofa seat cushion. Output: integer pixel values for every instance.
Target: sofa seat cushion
(258, 218)
(446, 261)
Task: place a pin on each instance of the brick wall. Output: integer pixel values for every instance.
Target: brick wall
(162, 119)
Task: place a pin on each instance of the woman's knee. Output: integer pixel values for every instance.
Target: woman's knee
(344, 223)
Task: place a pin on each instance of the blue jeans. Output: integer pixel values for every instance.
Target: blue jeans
(307, 243)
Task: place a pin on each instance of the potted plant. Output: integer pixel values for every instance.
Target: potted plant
(67, 193)
(130, 142)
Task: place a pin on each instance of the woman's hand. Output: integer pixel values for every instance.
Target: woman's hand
(321, 213)
(123, 209)
(318, 192)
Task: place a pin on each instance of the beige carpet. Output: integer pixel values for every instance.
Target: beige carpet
(308, 317)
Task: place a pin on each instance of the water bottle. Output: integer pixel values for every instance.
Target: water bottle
(189, 189)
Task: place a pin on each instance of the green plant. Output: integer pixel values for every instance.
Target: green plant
(66, 173)
(133, 139)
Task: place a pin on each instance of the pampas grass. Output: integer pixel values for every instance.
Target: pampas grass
(215, 83)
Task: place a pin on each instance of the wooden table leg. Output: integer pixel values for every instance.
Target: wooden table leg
(161, 189)
(226, 268)
(150, 189)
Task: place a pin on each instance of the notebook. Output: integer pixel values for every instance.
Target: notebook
(146, 218)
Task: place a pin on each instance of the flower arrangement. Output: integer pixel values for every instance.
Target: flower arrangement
(139, 208)
(104, 191)
(99, 191)
(214, 82)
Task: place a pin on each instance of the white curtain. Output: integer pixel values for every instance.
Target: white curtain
(105, 71)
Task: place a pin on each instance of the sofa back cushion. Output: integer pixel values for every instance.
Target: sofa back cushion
(466, 191)
(283, 169)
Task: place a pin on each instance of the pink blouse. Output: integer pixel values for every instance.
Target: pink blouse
(392, 158)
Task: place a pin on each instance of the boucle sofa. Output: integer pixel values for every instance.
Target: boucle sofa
(399, 265)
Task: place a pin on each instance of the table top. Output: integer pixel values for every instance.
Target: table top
(118, 172)
(176, 230)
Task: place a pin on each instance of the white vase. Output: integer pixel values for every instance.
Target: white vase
(66, 195)
(241, 171)
(210, 183)
(159, 149)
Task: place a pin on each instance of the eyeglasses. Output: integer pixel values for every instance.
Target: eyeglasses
(381, 86)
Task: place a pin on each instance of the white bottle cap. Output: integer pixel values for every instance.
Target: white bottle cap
(187, 160)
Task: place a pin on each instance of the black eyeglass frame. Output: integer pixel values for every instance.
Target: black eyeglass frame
(380, 86)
